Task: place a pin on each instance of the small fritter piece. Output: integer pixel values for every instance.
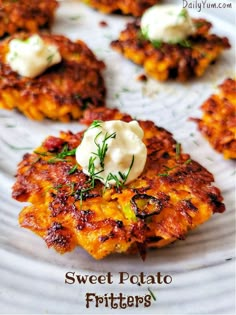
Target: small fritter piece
(164, 61)
(133, 7)
(172, 196)
(63, 91)
(218, 123)
(26, 15)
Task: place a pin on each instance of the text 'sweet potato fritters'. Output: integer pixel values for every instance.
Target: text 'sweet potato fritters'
(172, 196)
(62, 91)
(218, 123)
(26, 15)
(163, 61)
(133, 7)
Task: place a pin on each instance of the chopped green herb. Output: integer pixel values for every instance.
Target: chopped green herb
(188, 161)
(163, 174)
(152, 294)
(59, 156)
(199, 24)
(50, 58)
(10, 126)
(123, 177)
(183, 13)
(125, 89)
(75, 18)
(185, 43)
(143, 34)
(95, 124)
(157, 43)
(102, 148)
(73, 169)
(76, 96)
(177, 150)
(209, 159)
(168, 169)
(57, 187)
(41, 153)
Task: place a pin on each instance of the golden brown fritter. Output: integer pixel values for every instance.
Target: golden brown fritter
(62, 91)
(26, 15)
(218, 123)
(172, 196)
(133, 7)
(164, 61)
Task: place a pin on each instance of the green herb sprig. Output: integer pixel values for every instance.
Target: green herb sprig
(123, 176)
(61, 156)
(102, 148)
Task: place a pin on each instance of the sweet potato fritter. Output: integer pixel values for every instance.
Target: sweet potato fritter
(172, 196)
(218, 123)
(133, 7)
(164, 61)
(26, 15)
(62, 91)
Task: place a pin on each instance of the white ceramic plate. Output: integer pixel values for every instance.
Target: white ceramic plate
(202, 268)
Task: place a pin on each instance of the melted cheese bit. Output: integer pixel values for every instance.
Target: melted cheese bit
(31, 57)
(112, 152)
(167, 23)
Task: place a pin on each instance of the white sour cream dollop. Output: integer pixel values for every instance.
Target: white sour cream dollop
(31, 57)
(167, 23)
(126, 153)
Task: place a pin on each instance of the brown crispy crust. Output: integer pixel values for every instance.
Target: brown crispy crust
(172, 61)
(26, 15)
(62, 91)
(176, 192)
(218, 123)
(133, 7)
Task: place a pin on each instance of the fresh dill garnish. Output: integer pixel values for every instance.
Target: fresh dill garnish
(167, 170)
(59, 156)
(92, 178)
(143, 33)
(188, 161)
(95, 124)
(65, 152)
(73, 169)
(199, 24)
(41, 153)
(75, 18)
(125, 89)
(177, 150)
(183, 13)
(50, 58)
(123, 176)
(103, 147)
(156, 43)
(163, 174)
(152, 294)
(185, 43)
(77, 96)
(57, 187)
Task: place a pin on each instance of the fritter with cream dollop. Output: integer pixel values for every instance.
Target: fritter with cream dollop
(63, 91)
(162, 61)
(172, 195)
